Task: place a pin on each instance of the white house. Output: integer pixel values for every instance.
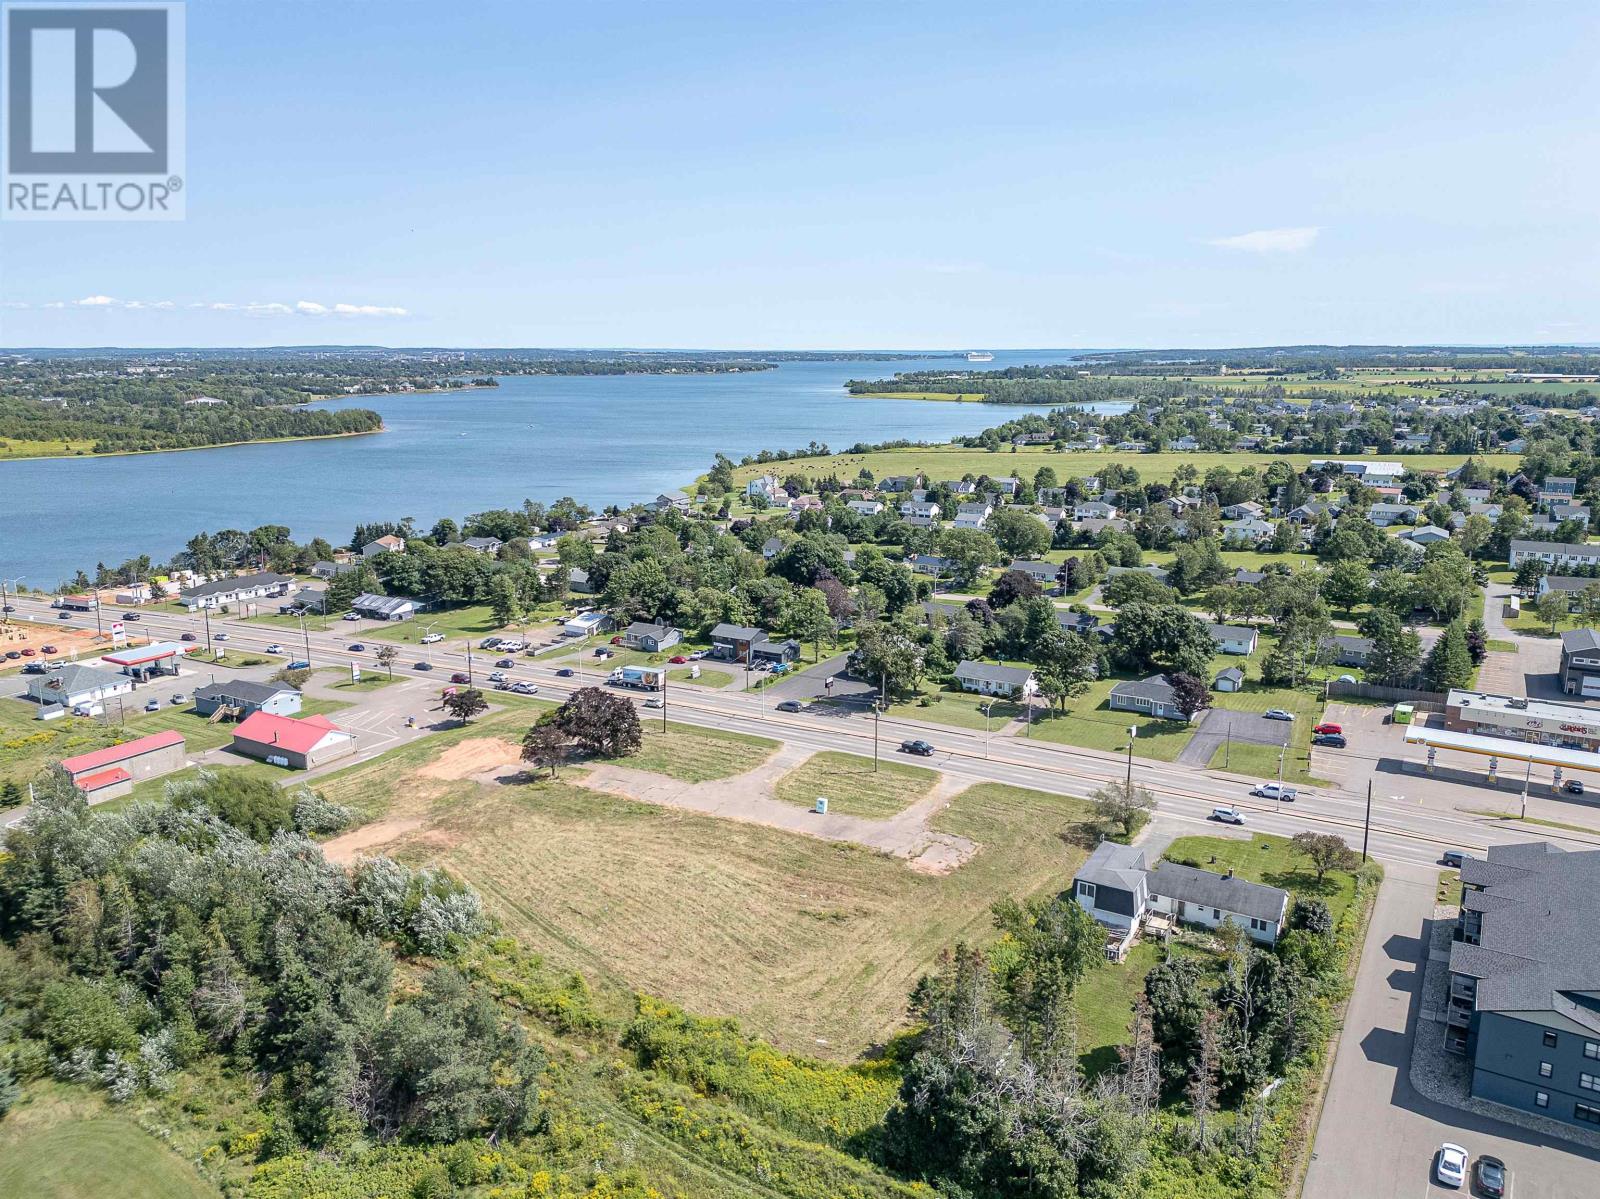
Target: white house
(1426, 535)
(1249, 531)
(1233, 638)
(586, 624)
(1373, 474)
(76, 684)
(986, 678)
(1042, 573)
(238, 589)
(482, 545)
(865, 507)
(920, 508)
(1118, 888)
(763, 485)
(1555, 553)
(389, 544)
(1384, 515)
(1093, 510)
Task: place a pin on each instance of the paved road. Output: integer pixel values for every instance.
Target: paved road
(1401, 831)
(1377, 1134)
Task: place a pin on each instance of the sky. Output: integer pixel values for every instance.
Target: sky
(855, 175)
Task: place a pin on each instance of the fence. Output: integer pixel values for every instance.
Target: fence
(1427, 701)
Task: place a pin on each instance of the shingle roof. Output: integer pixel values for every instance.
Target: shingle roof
(736, 632)
(242, 690)
(75, 676)
(989, 672)
(1208, 890)
(656, 632)
(264, 578)
(1113, 865)
(1155, 687)
(1580, 641)
(1568, 548)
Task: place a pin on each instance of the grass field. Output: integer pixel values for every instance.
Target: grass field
(50, 1152)
(697, 755)
(815, 944)
(952, 462)
(708, 678)
(852, 787)
(1270, 860)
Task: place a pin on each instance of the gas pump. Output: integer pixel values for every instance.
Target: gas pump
(1494, 768)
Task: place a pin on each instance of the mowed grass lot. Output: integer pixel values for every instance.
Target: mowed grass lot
(813, 944)
(48, 1153)
(952, 462)
(698, 755)
(708, 678)
(853, 787)
(1269, 860)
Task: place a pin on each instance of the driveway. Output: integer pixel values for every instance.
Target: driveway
(1377, 1135)
(1219, 724)
(812, 683)
(1534, 669)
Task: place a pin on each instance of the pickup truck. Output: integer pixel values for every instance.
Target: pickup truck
(1279, 791)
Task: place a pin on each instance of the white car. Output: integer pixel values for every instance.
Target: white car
(497, 676)
(1451, 1167)
(655, 701)
(432, 637)
(1228, 815)
(274, 648)
(351, 616)
(220, 637)
(1275, 791)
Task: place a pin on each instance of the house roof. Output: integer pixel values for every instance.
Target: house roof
(147, 653)
(737, 632)
(1034, 568)
(989, 672)
(482, 543)
(106, 778)
(243, 690)
(1155, 687)
(1359, 645)
(1536, 941)
(1232, 674)
(1580, 641)
(112, 754)
(1230, 894)
(261, 578)
(297, 734)
(1229, 632)
(1567, 583)
(1570, 549)
(384, 604)
(1113, 865)
(75, 676)
(1248, 576)
(655, 632)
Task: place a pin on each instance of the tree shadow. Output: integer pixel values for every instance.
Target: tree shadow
(1101, 1060)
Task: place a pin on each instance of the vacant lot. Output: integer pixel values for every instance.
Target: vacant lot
(47, 1154)
(815, 944)
(853, 787)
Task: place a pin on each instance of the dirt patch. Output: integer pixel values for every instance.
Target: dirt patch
(474, 759)
(347, 847)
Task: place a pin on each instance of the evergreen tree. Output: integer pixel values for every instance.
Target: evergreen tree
(1449, 662)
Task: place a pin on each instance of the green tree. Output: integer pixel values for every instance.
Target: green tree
(1449, 662)
(1161, 636)
(1552, 608)
(600, 723)
(888, 655)
(1347, 584)
(545, 745)
(465, 704)
(806, 618)
(386, 655)
(1396, 650)
(1018, 533)
(969, 551)
(504, 601)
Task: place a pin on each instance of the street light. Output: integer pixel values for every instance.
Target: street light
(1133, 732)
(987, 708)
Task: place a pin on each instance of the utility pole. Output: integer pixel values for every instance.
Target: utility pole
(877, 712)
(205, 612)
(1133, 732)
(469, 661)
(1366, 827)
(305, 636)
(987, 708)
(1281, 754)
(1227, 753)
(663, 699)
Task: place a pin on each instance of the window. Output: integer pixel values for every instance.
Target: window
(1549, 1037)
(1086, 890)
(1541, 1099)
(1216, 913)
(1589, 1115)
(1544, 1069)
(1589, 1082)
(1591, 1049)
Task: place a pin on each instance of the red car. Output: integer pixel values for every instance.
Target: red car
(1328, 728)
(616, 641)
(458, 678)
(27, 653)
(47, 649)
(677, 659)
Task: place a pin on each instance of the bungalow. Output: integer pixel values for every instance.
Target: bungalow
(1248, 510)
(75, 684)
(1426, 535)
(388, 544)
(385, 607)
(1095, 526)
(1308, 513)
(578, 581)
(296, 742)
(1233, 638)
(1185, 443)
(901, 482)
(111, 772)
(483, 545)
(929, 564)
(587, 624)
(1384, 515)
(1231, 679)
(1158, 573)
(1006, 485)
(238, 589)
(651, 638)
(1247, 578)
(675, 500)
(1250, 531)
(1373, 474)
(1152, 696)
(865, 507)
(544, 541)
(767, 650)
(987, 678)
(1117, 888)
(1567, 586)
(771, 548)
(925, 508)
(1180, 504)
(1093, 510)
(732, 642)
(1561, 511)
(1076, 622)
(240, 698)
(1343, 649)
(1042, 573)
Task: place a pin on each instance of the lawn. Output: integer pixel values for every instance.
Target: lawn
(853, 787)
(372, 679)
(814, 944)
(1269, 860)
(697, 755)
(1104, 1003)
(1089, 723)
(1262, 760)
(961, 709)
(46, 1152)
(708, 678)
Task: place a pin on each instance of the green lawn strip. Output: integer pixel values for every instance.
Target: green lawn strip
(1104, 1002)
(1269, 860)
(1506, 818)
(1090, 723)
(1501, 647)
(961, 709)
(708, 678)
(697, 755)
(1448, 888)
(852, 786)
(87, 1157)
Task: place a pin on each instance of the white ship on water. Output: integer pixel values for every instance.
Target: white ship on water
(980, 356)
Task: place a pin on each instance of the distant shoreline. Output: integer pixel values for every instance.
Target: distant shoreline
(938, 397)
(191, 449)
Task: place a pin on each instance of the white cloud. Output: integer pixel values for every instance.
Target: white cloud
(367, 310)
(1270, 241)
(312, 308)
(15, 304)
(98, 302)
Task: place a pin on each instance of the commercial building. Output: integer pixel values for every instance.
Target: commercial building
(1524, 980)
(299, 743)
(240, 698)
(112, 772)
(149, 661)
(1536, 721)
(385, 607)
(74, 685)
(239, 589)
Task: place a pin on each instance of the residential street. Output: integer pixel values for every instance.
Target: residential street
(1377, 1135)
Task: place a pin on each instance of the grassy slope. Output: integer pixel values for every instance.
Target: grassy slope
(49, 1151)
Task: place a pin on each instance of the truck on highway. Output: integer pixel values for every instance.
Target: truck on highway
(640, 678)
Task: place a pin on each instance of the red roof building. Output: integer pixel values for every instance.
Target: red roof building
(302, 741)
(110, 772)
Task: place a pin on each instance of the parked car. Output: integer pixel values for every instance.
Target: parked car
(1275, 791)
(178, 697)
(458, 677)
(355, 647)
(1328, 727)
(1450, 1169)
(486, 643)
(299, 664)
(47, 649)
(430, 638)
(1494, 1182)
(1227, 815)
(1454, 857)
(351, 616)
(188, 637)
(655, 701)
(791, 705)
(34, 668)
(502, 685)
(220, 637)
(132, 616)
(506, 662)
(274, 648)
(1277, 714)
(153, 705)
(1571, 786)
(566, 672)
(603, 652)
(677, 659)
(55, 664)
(616, 641)
(921, 748)
(696, 655)
(13, 654)
(1329, 740)
(28, 653)
(423, 666)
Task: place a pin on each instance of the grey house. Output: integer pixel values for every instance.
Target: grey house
(1524, 980)
(652, 638)
(1580, 662)
(1342, 649)
(989, 678)
(244, 697)
(732, 642)
(1152, 696)
(1111, 885)
(1116, 887)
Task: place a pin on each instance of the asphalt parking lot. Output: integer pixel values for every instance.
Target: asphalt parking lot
(1221, 724)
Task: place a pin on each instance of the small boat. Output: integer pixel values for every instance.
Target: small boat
(980, 356)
